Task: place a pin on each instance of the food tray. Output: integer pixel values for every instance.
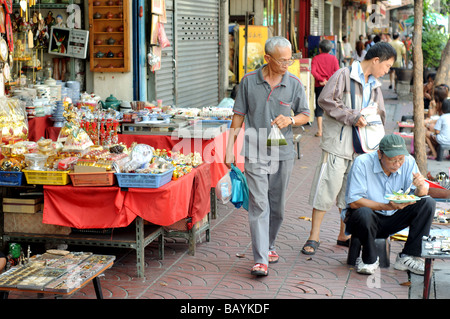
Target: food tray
(92, 179)
(134, 180)
(47, 177)
(11, 178)
(411, 198)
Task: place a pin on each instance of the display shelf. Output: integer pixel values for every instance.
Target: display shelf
(108, 22)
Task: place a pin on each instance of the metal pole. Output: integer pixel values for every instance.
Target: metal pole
(246, 42)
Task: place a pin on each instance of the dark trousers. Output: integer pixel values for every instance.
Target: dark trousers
(367, 225)
(318, 112)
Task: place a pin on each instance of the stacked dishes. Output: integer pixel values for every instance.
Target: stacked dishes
(43, 91)
(73, 90)
(57, 115)
(55, 92)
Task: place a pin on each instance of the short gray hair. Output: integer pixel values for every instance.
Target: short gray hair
(325, 45)
(274, 42)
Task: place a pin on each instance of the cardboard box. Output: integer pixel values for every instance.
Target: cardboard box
(24, 200)
(22, 208)
(29, 205)
(31, 224)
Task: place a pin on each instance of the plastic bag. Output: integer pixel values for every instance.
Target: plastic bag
(141, 155)
(276, 138)
(162, 37)
(223, 188)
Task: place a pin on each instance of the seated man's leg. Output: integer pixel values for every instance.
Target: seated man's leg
(363, 224)
(420, 226)
(418, 218)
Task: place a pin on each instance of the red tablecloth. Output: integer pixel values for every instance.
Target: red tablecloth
(37, 127)
(52, 133)
(85, 207)
(110, 207)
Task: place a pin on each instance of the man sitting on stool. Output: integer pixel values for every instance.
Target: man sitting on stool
(369, 215)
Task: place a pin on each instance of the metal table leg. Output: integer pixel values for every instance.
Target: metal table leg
(213, 202)
(140, 262)
(427, 277)
(97, 288)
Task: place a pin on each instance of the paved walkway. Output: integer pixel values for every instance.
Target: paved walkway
(220, 268)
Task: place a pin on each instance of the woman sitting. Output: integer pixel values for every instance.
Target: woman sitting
(441, 135)
(435, 109)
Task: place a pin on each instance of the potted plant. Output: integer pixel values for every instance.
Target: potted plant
(434, 40)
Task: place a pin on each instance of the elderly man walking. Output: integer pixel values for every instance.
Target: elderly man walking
(266, 99)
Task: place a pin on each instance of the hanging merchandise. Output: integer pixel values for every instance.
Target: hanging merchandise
(2, 20)
(9, 32)
(162, 37)
(154, 58)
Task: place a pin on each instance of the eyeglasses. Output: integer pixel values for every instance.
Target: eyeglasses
(284, 62)
(395, 161)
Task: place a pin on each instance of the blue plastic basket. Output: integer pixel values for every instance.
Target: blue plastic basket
(10, 178)
(134, 180)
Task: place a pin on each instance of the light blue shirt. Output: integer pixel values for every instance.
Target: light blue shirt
(368, 180)
(367, 87)
(443, 126)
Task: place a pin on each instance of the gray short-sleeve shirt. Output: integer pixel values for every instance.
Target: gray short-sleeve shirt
(260, 104)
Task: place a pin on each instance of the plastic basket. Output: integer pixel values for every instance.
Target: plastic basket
(92, 179)
(47, 177)
(134, 180)
(10, 178)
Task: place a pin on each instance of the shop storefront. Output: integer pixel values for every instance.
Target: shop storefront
(71, 127)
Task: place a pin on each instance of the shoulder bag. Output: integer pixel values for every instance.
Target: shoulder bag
(367, 139)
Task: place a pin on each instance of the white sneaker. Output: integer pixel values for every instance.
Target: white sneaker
(367, 269)
(411, 263)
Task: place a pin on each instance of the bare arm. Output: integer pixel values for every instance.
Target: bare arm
(236, 125)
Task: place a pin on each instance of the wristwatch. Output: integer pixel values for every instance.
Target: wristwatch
(292, 120)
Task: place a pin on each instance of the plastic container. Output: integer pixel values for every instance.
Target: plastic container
(35, 161)
(11, 178)
(134, 180)
(47, 177)
(92, 179)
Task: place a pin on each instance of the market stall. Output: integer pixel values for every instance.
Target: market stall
(113, 207)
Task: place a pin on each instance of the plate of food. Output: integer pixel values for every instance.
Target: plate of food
(401, 198)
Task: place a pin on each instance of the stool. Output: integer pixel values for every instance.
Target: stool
(440, 149)
(297, 138)
(382, 246)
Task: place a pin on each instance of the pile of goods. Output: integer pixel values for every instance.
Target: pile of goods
(13, 120)
(55, 271)
(42, 160)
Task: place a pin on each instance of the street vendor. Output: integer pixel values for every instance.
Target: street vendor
(372, 213)
(265, 100)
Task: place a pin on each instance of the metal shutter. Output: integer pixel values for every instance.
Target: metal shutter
(164, 78)
(316, 17)
(196, 52)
